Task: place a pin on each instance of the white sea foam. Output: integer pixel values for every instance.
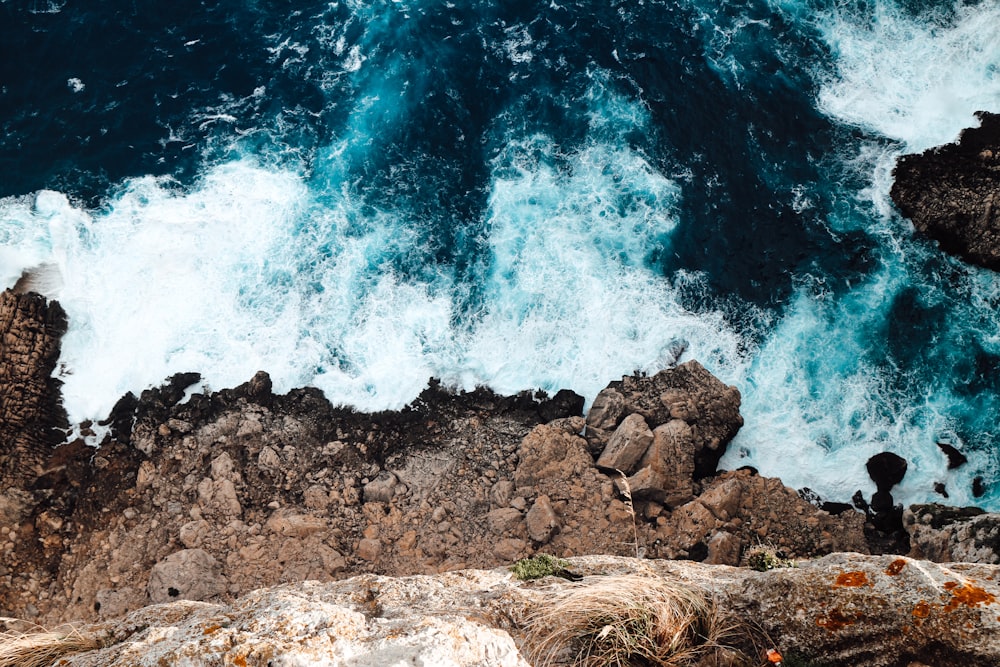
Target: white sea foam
(820, 396)
(914, 79)
(248, 270)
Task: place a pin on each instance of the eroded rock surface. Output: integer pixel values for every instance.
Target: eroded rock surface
(843, 610)
(952, 193)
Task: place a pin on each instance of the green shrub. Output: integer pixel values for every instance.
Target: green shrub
(538, 566)
(764, 557)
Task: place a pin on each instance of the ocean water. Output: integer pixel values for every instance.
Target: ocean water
(359, 196)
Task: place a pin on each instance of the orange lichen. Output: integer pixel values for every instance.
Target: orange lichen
(852, 579)
(950, 585)
(240, 661)
(895, 567)
(836, 620)
(211, 629)
(969, 595)
(921, 609)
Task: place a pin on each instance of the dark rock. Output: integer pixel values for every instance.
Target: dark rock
(978, 488)
(881, 502)
(564, 404)
(938, 516)
(955, 457)
(836, 509)
(952, 193)
(886, 470)
(859, 502)
(940, 489)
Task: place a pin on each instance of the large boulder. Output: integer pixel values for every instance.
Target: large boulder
(952, 193)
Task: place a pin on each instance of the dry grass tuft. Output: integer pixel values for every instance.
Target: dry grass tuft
(629, 620)
(41, 648)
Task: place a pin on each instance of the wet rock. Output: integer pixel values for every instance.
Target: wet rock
(30, 332)
(952, 193)
(955, 457)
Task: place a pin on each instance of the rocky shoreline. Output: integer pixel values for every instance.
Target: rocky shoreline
(211, 498)
(952, 193)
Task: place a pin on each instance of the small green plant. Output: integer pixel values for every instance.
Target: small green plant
(538, 566)
(765, 557)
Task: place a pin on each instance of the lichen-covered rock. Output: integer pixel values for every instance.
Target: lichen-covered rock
(843, 610)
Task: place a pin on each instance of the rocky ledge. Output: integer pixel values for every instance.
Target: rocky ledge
(952, 193)
(210, 498)
(840, 610)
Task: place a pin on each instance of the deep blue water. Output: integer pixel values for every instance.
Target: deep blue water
(362, 195)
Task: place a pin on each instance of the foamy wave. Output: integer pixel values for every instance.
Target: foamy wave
(915, 79)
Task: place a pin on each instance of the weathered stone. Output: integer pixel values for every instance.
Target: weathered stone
(189, 574)
(626, 445)
(846, 609)
(30, 331)
(724, 549)
(959, 534)
(607, 410)
(541, 520)
(293, 524)
(672, 454)
(381, 489)
(504, 520)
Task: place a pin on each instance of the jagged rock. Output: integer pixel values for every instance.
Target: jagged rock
(946, 534)
(755, 510)
(955, 457)
(626, 445)
(844, 609)
(672, 457)
(30, 332)
(189, 574)
(952, 193)
(689, 393)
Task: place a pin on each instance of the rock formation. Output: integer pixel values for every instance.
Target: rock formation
(843, 610)
(952, 193)
(30, 333)
(201, 501)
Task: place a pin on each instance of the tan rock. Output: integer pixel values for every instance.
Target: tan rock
(189, 574)
(292, 524)
(626, 445)
(541, 520)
